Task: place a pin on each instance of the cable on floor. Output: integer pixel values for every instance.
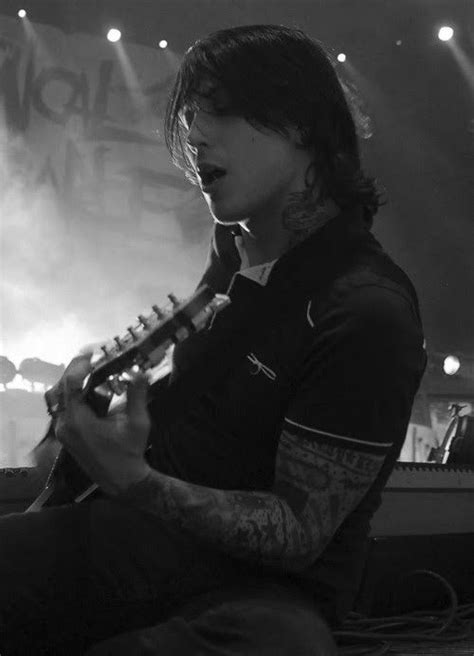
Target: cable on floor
(365, 636)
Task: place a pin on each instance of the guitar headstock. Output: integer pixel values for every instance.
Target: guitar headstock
(146, 343)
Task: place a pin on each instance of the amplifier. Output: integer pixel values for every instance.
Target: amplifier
(426, 499)
(425, 522)
(390, 585)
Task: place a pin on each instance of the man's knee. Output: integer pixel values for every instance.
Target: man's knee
(269, 627)
(244, 628)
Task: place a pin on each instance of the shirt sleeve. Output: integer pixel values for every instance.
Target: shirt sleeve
(362, 372)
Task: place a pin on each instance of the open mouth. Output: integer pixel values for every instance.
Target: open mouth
(210, 177)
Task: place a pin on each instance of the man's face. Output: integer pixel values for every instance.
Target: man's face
(262, 167)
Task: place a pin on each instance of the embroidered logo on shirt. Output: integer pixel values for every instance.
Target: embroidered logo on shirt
(260, 367)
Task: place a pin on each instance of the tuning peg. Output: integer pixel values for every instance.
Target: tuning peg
(132, 332)
(173, 299)
(104, 349)
(143, 320)
(118, 341)
(159, 313)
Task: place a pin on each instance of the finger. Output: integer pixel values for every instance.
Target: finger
(92, 347)
(81, 358)
(137, 399)
(78, 369)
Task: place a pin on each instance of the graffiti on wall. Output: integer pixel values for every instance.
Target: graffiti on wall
(95, 137)
(96, 222)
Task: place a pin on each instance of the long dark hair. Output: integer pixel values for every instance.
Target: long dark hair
(276, 77)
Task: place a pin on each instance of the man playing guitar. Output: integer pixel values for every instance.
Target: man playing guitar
(243, 530)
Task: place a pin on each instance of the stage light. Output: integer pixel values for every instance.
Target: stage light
(341, 57)
(399, 42)
(22, 13)
(114, 35)
(445, 33)
(8, 371)
(451, 365)
(163, 43)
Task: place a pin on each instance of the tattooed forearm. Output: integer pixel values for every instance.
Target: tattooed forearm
(316, 486)
(256, 526)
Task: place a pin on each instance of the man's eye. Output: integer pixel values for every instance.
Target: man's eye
(187, 115)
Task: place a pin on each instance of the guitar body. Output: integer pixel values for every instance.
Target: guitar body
(145, 347)
(66, 483)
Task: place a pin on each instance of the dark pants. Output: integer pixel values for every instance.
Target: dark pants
(76, 576)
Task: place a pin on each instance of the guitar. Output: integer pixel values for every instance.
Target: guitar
(144, 347)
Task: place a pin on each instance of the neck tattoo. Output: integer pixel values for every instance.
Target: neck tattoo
(305, 213)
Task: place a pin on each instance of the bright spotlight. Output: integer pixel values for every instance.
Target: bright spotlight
(445, 33)
(163, 43)
(451, 365)
(341, 57)
(22, 13)
(114, 35)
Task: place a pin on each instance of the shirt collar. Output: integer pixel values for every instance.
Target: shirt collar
(327, 246)
(298, 265)
(259, 273)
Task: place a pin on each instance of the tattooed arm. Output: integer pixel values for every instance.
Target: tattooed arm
(316, 486)
(331, 447)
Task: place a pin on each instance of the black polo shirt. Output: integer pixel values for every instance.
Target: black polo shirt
(326, 342)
